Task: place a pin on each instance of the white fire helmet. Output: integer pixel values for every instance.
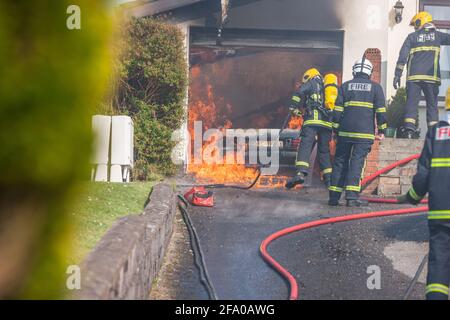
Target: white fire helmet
(363, 65)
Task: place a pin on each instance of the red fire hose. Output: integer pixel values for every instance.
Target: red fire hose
(286, 274)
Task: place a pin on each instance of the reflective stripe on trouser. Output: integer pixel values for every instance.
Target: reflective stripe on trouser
(348, 166)
(438, 278)
(413, 91)
(309, 134)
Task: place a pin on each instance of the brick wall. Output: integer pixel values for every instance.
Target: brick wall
(374, 56)
(386, 152)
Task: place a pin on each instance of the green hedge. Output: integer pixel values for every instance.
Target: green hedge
(151, 90)
(50, 78)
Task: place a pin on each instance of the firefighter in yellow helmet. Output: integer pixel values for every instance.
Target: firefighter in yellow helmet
(308, 102)
(421, 52)
(433, 177)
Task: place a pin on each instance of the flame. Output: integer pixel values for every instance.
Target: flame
(214, 112)
(295, 123)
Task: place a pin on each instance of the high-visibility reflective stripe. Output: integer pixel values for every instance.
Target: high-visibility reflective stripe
(358, 104)
(414, 195)
(410, 120)
(302, 164)
(425, 48)
(424, 78)
(437, 217)
(339, 108)
(357, 135)
(400, 66)
(379, 110)
(382, 127)
(319, 122)
(437, 287)
(296, 99)
(316, 115)
(327, 170)
(439, 214)
(353, 188)
(335, 125)
(335, 189)
(440, 165)
(440, 162)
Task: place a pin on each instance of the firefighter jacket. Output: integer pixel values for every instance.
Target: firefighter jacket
(359, 102)
(310, 97)
(421, 53)
(433, 173)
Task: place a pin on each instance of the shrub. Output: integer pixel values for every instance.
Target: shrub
(50, 77)
(151, 90)
(396, 109)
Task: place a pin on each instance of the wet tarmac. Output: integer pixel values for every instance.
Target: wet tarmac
(329, 262)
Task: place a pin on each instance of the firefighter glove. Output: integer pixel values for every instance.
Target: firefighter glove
(396, 82)
(295, 112)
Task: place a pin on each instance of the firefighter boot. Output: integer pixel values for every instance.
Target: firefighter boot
(407, 133)
(333, 202)
(299, 178)
(357, 203)
(327, 180)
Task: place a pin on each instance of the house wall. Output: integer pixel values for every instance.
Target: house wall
(366, 23)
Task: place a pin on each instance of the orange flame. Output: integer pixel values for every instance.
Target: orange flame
(214, 113)
(295, 123)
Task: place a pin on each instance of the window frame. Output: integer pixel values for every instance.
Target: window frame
(440, 24)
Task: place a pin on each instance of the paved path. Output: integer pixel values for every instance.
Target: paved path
(329, 262)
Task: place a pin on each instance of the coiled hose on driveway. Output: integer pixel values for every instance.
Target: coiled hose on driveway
(286, 274)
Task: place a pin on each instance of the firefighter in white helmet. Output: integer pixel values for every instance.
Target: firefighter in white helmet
(359, 102)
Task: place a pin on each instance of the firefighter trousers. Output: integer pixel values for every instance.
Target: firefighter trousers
(438, 279)
(348, 167)
(413, 93)
(309, 134)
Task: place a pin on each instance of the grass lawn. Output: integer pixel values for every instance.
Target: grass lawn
(99, 207)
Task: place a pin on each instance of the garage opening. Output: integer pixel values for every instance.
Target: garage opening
(247, 82)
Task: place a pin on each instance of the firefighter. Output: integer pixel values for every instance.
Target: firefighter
(310, 98)
(421, 52)
(433, 177)
(359, 102)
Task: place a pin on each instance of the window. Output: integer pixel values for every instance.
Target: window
(440, 10)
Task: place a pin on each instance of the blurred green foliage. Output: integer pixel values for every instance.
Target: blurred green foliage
(50, 80)
(151, 89)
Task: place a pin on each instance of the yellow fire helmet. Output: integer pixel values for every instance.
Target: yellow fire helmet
(420, 19)
(447, 100)
(309, 74)
(330, 82)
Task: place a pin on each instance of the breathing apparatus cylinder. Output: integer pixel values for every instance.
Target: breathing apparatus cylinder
(330, 82)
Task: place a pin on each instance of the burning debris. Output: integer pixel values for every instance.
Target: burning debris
(248, 88)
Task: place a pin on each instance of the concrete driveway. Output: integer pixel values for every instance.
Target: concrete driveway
(329, 262)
